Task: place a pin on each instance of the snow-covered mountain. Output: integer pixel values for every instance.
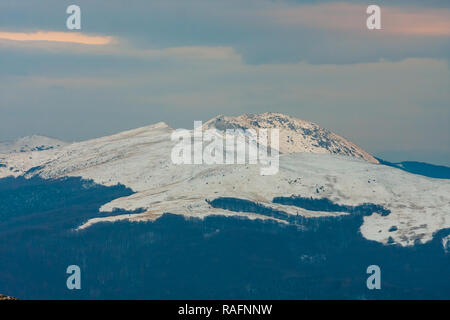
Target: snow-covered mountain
(141, 160)
(296, 135)
(30, 143)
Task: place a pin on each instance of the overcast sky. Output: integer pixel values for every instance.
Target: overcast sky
(135, 63)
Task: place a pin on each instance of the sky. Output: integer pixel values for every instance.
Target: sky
(135, 63)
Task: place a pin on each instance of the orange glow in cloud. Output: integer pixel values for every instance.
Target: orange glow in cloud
(349, 17)
(428, 22)
(70, 37)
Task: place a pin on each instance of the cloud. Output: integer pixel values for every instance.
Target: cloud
(51, 36)
(200, 52)
(261, 31)
(348, 17)
(428, 22)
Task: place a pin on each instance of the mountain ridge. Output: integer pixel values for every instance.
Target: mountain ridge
(421, 168)
(140, 159)
(30, 144)
(296, 135)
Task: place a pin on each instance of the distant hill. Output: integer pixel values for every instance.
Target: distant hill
(421, 168)
(30, 143)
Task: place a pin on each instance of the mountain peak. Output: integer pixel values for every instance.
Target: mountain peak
(30, 143)
(296, 135)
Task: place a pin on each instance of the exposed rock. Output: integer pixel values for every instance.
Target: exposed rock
(3, 297)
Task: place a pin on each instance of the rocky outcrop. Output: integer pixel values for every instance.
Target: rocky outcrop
(3, 297)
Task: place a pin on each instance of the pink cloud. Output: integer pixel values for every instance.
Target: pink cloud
(352, 18)
(70, 37)
(431, 22)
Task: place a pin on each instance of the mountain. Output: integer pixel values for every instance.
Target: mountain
(30, 143)
(399, 207)
(174, 257)
(296, 135)
(307, 232)
(422, 168)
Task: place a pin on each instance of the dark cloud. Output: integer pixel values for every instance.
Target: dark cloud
(240, 24)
